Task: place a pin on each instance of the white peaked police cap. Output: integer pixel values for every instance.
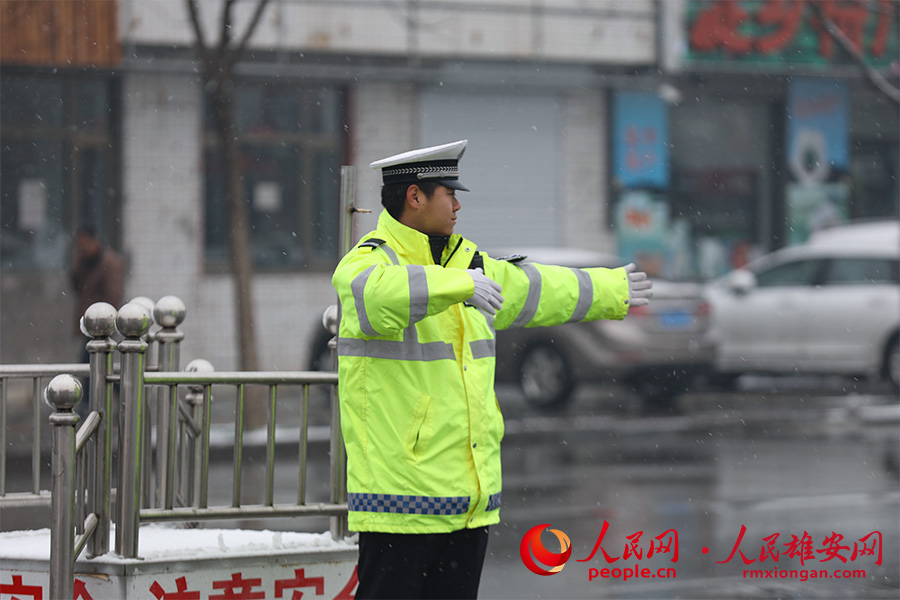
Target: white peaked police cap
(436, 163)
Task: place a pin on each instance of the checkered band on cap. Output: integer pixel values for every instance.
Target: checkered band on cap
(410, 505)
(413, 172)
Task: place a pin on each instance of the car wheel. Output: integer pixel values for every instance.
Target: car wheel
(545, 377)
(892, 362)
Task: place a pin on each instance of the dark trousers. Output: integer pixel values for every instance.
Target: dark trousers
(421, 565)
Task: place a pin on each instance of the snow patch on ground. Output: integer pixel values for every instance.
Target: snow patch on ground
(167, 543)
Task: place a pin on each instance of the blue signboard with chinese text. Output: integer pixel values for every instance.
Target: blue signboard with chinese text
(640, 140)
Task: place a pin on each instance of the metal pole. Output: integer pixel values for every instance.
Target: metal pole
(62, 394)
(199, 399)
(3, 423)
(36, 440)
(270, 445)
(133, 321)
(99, 321)
(146, 465)
(339, 528)
(169, 313)
(238, 445)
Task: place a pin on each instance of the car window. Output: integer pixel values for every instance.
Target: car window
(862, 271)
(798, 272)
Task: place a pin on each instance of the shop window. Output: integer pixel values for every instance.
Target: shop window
(719, 191)
(57, 165)
(291, 148)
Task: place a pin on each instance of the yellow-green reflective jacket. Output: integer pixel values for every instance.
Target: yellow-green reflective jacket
(419, 417)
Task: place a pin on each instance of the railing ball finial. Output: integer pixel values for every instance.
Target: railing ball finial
(144, 301)
(199, 365)
(63, 392)
(99, 320)
(134, 320)
(169, 311)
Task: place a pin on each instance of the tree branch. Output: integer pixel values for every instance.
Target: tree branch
(225, 32)
(198, 30)
(873, 76)
(251, 27)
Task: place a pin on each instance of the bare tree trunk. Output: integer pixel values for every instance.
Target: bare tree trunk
(239, 228)
(218, 79)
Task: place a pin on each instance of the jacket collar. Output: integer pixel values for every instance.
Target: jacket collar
(413, 245)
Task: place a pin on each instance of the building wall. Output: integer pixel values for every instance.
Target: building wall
(582, 205)
(163, 208)
(162, 173)
(163, 234)
(609, 31)
(381, 124)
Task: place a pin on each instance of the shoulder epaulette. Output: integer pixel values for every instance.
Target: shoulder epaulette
(372, 243)
(513, 258)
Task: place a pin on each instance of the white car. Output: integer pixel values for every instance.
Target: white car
(829, 306)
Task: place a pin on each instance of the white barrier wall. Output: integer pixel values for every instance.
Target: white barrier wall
(190, 563)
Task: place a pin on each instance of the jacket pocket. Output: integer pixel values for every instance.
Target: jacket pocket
(420, 428)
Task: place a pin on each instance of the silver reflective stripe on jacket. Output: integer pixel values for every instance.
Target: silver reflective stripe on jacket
(483, 349)
(532, 300)
(391, 254)
(418, 293)
(358, 288)
(585, 295)
(408, 349)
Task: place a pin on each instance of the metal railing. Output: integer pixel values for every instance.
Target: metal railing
(170, 453)
(201, 383)
(36, 373)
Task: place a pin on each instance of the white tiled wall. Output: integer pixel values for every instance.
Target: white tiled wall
(163, 235)
(583, 203)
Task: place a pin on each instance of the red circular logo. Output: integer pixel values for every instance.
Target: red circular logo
(532, 545)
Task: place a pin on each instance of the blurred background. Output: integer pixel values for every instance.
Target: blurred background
(691, 136)
(715, 143)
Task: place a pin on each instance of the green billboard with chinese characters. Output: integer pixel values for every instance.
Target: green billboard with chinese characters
(780, 34)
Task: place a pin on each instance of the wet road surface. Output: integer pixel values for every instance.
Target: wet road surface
(779, 460)
(794, 464)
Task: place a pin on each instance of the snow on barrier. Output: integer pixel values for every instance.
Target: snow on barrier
(190, 563)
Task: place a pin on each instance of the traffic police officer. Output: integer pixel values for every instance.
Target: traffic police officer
(416, 347)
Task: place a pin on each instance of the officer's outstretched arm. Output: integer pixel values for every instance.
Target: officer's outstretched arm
(538, 295)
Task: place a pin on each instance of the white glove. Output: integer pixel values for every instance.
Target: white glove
(639, 292)
(487, 292)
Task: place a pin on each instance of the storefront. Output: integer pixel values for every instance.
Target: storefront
(766, 131)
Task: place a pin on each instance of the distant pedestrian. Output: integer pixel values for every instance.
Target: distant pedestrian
(97, 274)
(416, 351)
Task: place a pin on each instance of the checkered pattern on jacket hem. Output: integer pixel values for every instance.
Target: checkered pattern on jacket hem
(411, 505)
